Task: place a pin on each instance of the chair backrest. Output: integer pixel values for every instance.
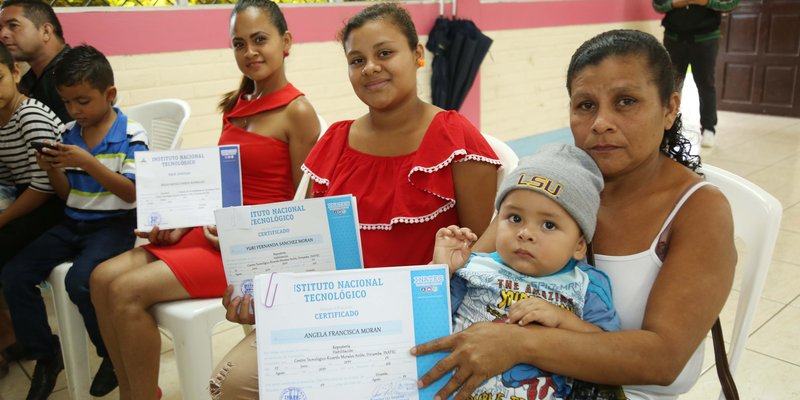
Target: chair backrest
(163, 120)
(302, 187)
(756, 222)
(507, 156)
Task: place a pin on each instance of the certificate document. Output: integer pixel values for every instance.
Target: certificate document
(292, 236)
(347, 334)
(182, 188)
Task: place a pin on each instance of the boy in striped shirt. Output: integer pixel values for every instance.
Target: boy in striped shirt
(93, 170)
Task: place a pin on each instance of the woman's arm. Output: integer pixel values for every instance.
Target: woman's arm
(685, 300)
(486, 242)
(302, 134)
(475, 186)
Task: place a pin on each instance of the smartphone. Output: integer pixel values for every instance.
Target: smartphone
(40, 145)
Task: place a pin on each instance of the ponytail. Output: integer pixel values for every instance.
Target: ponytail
(229, 99)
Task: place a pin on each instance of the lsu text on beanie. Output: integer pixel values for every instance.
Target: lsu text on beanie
(565, 174)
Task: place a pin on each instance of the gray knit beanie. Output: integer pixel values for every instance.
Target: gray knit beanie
(565, 174)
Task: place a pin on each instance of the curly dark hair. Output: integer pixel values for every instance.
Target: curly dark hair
(623, 42)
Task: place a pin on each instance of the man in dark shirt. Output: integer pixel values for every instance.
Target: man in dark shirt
(32, 33)
(691, 35)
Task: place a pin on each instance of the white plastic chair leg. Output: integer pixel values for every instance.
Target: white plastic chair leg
(72, 335)
(191, 323)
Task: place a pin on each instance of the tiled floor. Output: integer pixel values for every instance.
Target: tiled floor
(765, 150)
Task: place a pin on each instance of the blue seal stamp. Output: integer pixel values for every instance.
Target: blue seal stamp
(247, 287)
(293, 393)
(153, 219)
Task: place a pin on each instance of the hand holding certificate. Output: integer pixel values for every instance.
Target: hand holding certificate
(347, 334)
(182, 188)
(293, 236)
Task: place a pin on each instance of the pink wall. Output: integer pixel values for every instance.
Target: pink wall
(169, 30)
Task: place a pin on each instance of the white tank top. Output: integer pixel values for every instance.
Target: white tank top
(632, 277)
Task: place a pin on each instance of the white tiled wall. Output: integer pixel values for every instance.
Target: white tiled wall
(523, 78)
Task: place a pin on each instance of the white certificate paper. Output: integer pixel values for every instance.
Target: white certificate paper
(347, 334)
(182, 188)
(292, 236)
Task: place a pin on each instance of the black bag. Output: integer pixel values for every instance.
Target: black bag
(723, 370)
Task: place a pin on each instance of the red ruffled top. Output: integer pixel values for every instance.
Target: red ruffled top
(402, 200)
(266, 164)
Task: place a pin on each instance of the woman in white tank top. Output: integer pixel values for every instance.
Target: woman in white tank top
(663, 236)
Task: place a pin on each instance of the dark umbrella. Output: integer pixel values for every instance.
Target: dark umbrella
(459, 47)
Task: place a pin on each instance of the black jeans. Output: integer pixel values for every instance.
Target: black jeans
(87, 244)
(702, 56)
(15, 235)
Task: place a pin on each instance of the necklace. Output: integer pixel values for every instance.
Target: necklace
(243, 121)
(255, 95)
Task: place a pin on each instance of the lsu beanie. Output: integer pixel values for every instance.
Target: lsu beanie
(565, 174)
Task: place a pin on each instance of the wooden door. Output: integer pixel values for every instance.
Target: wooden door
(758, 66)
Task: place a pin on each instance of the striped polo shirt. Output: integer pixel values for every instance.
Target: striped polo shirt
(88, 199)
(31, 122)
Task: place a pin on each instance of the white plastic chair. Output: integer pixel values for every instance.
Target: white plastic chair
(190, 324)
(506, 155)
(71, 334)
(163, 120)
(756, 222)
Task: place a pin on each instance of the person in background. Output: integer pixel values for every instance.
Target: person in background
(30, 206)
(691, 36)
(413, 168)
(662, 234)
(93, 170)
(31, 31)
(275, 127)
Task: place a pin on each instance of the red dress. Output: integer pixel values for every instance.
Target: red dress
(402, 200)
(266, 178)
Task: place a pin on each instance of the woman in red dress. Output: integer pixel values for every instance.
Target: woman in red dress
(413, 167)
(275, 127)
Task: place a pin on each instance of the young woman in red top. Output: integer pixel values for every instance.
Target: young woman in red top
(413, 167)
(275, 127)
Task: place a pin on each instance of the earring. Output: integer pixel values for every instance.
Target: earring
(286, 53)
(421, 62)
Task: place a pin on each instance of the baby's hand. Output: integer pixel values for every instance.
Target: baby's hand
(453, 246)
(536, 310)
